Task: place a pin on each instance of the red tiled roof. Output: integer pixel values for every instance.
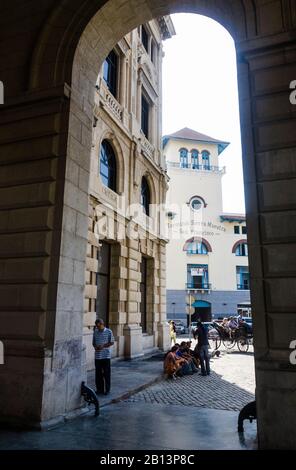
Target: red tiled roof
(189, 134)
(233, 217)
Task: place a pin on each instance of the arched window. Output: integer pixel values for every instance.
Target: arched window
(197, 248)
(241, 249)
(197, 203)
(145, 196)
(206, 159)
(183, 158)
(108, 165)
(194, 159)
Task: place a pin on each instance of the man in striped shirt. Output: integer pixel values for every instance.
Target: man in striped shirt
(102, 341)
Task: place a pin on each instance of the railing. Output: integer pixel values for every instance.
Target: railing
(147, 147)
(194, 166)
(110, 101)
(243, 287)
(199, 286)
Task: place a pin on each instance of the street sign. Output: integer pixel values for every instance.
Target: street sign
(190, 310)
(189, 299)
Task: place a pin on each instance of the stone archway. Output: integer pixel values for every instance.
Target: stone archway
(41, 305)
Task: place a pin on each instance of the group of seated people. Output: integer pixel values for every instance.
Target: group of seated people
(181, 360)
(231, 324)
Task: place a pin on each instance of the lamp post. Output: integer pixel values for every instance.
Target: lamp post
(174, 309)
(190, 310)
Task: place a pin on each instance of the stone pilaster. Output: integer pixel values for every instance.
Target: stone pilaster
(268, 121)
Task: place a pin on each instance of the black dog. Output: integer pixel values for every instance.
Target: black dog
(90, 397)
(248, 412)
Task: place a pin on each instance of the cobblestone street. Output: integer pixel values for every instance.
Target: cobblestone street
(230, 386)
(202, 411)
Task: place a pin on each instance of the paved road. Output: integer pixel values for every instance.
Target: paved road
(230, 386)
(194, 412)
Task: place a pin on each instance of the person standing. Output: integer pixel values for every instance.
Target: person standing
(103, 340)
(202, 348)
(173, 333)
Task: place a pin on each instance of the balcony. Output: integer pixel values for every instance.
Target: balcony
(195, 167)
(243, 287)
(199, 286)
(147, 148)
(109, 101)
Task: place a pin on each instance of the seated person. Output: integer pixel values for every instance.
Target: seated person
(233, 325)
(225, 323)
(171, 363)
(189, 367)
(192, 354)
(245, 326)
(189, 350)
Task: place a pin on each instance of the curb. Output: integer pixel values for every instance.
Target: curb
(130, 393)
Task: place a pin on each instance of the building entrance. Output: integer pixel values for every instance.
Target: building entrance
(202, 311)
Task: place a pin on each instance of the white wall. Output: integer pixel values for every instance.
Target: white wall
(184, 184)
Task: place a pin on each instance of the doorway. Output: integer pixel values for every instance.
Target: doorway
(103, 282)
(202, 311)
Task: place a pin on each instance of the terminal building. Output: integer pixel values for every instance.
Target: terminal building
(207, 253)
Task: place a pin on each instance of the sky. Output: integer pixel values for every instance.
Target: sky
(200, 92)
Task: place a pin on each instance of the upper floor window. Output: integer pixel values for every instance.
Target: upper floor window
(197, 248)
(241, 249)
(145, 196)
(108, 165)
(153, 52)
(236, 229)
(110, 72)
(194, 159)
(145, 116)
(197, 203)
(244, 230)
(145, 38)
(206, 159)
(197, 276)
(243, 278)
(184, 158)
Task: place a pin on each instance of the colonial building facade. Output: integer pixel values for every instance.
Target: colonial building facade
(207, 255)
(125, 277)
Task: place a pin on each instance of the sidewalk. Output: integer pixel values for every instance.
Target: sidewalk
(129, 377)
(133, 422)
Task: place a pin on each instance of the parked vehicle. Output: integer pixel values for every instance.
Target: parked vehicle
(179, 325)
(193, 326)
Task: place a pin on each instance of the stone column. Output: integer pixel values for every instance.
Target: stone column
(132, 330)
(43, 246)
(164, 340)
(139, 101)
(268, 124)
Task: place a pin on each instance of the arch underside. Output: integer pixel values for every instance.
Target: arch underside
(94, 20)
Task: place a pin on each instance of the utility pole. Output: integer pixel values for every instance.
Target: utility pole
(190, 309)
(174, 309)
